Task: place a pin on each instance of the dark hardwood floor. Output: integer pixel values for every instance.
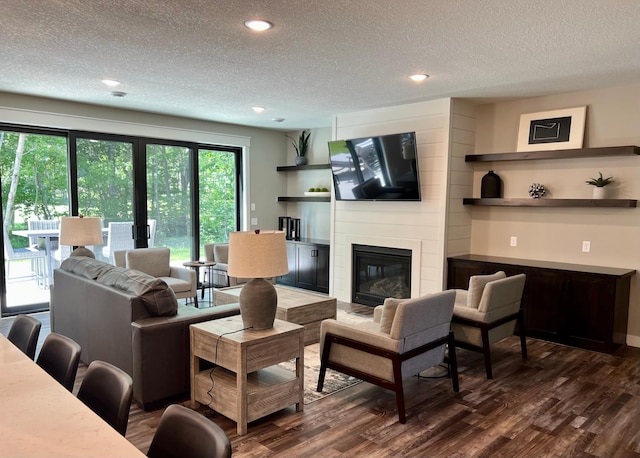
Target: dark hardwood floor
(561, 402)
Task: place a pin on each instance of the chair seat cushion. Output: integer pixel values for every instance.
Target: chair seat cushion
(176, 284)
(476, 287)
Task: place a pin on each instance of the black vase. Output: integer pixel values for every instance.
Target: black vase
(491, 187)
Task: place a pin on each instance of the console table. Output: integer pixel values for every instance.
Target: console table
(245, 382)
(578, 305)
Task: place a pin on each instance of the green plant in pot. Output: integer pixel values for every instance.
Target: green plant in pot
(599, 191)
(301, 146)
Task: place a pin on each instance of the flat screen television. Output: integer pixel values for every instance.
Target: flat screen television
(376, 168)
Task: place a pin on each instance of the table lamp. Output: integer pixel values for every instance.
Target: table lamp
(257, 255)
(80, 231)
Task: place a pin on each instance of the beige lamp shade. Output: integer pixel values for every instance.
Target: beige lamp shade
(80, 231)
(257, 254)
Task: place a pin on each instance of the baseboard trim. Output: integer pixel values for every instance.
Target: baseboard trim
(633, 341)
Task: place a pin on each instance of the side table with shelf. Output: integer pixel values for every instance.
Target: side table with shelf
(246, 383)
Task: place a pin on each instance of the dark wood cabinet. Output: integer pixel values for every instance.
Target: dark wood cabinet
(581, 306)
(308, 265)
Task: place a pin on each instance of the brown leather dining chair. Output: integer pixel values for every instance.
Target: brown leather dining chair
(60, 357)
(185, 433)
(108, 390)
(24, 333)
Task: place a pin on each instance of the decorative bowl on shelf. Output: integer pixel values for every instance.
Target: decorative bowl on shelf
(317, 194)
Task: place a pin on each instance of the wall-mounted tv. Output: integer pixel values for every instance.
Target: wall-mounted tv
(376, 168)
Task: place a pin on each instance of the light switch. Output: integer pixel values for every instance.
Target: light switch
(253, 207)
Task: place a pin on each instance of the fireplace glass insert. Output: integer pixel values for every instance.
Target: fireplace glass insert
(380, 272)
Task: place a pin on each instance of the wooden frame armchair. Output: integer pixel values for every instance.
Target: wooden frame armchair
(406, 337)
(488, 312)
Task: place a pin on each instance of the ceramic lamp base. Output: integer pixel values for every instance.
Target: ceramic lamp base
(258, 303)
(82, 251)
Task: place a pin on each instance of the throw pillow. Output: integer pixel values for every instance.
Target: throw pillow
(476, 287)
(158, 298)
(388, 313)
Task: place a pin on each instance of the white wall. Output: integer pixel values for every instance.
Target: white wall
(419, 226)
(556, 234)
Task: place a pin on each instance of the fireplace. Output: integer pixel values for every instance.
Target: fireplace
(380, 272)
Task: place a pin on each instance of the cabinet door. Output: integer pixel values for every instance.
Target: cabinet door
(307, 266)
(589, 322)
(544, 302)
(322, 269)
(290, 278)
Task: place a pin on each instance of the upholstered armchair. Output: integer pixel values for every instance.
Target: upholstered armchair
(156, 262)
(487, 312)
(405, 337)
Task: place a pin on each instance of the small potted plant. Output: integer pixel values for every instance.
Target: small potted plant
(301, 147)
(600, 192)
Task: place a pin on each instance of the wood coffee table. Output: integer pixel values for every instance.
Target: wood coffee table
(295, 306)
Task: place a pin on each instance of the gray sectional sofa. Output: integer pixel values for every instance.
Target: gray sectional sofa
(131, 320)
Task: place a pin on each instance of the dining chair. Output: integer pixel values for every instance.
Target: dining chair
(24, 334)
(60, 357)
(108, 390)
(185, 433)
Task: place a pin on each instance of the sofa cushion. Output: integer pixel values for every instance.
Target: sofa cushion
(85, 266)
(476, 287)
(388, 313)
(157, 297)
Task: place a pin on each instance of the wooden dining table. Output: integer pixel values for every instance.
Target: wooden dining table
(39, 417)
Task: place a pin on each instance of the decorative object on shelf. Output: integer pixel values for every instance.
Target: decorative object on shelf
(600, 191)
(318, 192)
(537, 190)
(491, 186)
(257, 255)
(557, 129)
(284, 224)
(80, 231)
(301, 147)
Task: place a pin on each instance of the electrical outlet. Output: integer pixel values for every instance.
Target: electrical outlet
(514, 241)
(253, 207)
(254, 221)
(586, 246)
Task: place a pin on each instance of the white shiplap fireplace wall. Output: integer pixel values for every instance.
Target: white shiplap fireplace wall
(419, 226)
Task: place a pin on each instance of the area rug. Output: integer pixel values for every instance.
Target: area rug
(333, 381)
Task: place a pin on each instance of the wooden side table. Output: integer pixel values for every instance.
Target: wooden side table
(246, 383)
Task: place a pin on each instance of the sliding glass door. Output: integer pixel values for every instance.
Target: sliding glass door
(148, 193)
(169, 199)
(35, 195)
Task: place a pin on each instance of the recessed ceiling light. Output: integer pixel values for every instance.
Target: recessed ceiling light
(419, 77)
(258, 25)
(110, 82)
(278, 119)
(118, 93)
(258, 109)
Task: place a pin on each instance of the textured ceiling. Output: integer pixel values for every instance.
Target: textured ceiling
(195, 58)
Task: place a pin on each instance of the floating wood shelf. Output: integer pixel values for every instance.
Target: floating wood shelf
(555, 154)
(304, 199)
(296, 168)
(620, 203)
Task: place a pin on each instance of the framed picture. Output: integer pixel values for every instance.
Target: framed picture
(557, 129)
